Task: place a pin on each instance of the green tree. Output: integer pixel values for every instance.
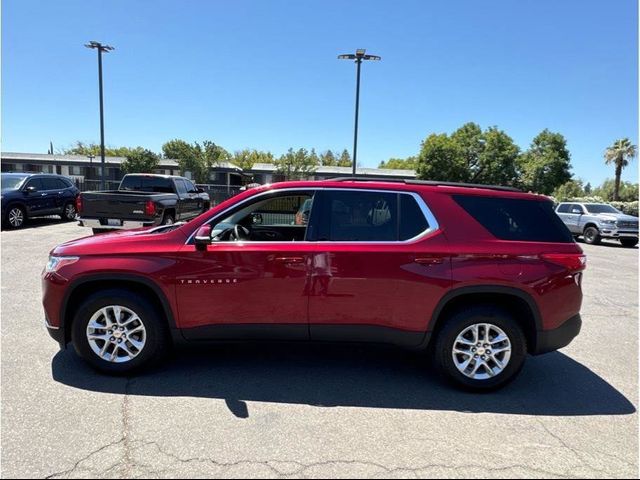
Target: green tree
(313, 157)
(408, 163)
(569, 191)
(140, 160)
(190, 158)
(620, 154)
(246, 159)
(328, 159)
(627, 191)
(296, 165)
(497, 157)
(86, 149)
(546, 164)
(345, 159)
(213, 154)
(469, 155)
(441, 158)
(587, 188)
(471, 142)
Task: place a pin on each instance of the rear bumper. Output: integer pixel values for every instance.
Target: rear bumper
(552, 340)
(126, 224)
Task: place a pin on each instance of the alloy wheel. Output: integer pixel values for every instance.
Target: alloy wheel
(481, 351)
(116, 334)
(16, 217)
(70, 211)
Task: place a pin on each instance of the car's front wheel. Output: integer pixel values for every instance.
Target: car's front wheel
(118, 332)
(629, 242)
(591, 236)
(15, 217)
(480, 348)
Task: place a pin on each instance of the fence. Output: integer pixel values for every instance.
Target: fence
(220, 193)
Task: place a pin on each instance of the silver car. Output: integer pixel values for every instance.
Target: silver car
(595, 221)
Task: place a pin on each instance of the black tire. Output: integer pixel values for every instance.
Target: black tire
(69, 213)
(97, 231)
(628, 242)
(591, 236)
(461, 320)
(168, 219)
(157, 333)
(15, 217)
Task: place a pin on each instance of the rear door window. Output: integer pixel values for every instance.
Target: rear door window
(50, 183)
(361, 216)
(516, 219)
(563, 208)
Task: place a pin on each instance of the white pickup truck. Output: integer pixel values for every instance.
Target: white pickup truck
(595, 221)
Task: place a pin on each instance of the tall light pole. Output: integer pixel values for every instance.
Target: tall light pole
(358, 57)
(101, 48)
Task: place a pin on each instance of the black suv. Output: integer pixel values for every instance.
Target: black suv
(28, 195)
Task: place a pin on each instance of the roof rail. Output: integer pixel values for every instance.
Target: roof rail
(434, 183)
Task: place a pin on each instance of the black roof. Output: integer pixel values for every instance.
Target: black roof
(425, 182)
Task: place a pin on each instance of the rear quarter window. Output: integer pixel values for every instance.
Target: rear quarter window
(516, 219)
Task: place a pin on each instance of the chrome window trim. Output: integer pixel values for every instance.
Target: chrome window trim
(428, 214)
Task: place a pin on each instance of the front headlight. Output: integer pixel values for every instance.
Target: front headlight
(608, 223)
(56, 263)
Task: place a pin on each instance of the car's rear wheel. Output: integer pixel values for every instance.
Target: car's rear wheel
(629, 242)
(118, 332)
(591, 236)
(168, 219)
(480, 348)
(15, 217)
(69, 213)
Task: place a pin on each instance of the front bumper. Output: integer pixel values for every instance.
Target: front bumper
(552, 340)
(57, 333)
(607, 231)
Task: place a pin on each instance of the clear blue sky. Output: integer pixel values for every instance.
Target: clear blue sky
(264, 74)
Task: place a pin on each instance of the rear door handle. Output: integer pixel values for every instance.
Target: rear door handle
(429, 260)
(289, 260)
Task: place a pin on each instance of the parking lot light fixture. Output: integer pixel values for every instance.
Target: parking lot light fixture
(100, 48)
(358, 57)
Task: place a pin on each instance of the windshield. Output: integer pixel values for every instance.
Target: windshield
(12, 181)
(600, 208)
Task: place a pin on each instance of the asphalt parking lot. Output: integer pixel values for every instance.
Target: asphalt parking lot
(300, 411)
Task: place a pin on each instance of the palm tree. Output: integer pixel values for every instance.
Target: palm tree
(620, 153)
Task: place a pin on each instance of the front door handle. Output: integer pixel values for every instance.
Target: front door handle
(289, 260)
(429, 260)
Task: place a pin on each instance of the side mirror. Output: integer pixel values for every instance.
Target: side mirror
(203, 238)
(200, 190)
(31, 189)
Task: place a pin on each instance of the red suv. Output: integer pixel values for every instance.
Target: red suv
(481, 275)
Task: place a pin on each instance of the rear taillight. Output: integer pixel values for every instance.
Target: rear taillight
(149, 208)
(574, 262)
(79, 203)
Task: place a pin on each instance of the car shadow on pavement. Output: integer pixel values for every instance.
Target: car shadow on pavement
(350, 376)
(609, 243)
(36, 222)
